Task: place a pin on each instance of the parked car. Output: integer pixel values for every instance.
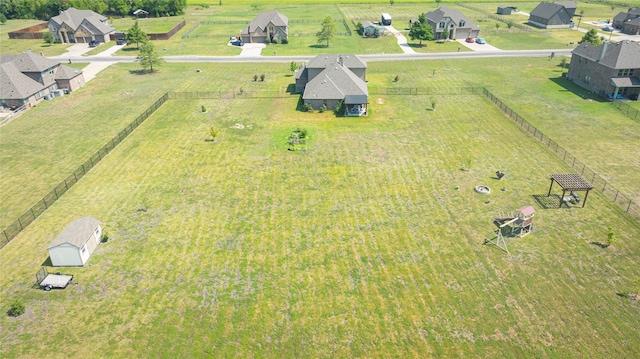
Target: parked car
(121, 41)
(480, 40)
(470, 39)
(237, 42)
(607, 29)
(93, 43)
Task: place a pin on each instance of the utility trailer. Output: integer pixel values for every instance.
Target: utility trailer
(48, 281)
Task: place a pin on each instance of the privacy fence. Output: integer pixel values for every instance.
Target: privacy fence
(602, 185)
(29, 33)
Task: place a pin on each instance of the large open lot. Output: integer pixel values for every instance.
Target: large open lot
(359, 246)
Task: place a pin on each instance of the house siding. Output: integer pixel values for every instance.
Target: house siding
(591, 75)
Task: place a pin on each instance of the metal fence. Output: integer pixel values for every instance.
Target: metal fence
(504, 19)
(37, 209)
(188, 35)
(627, 110)
(624, 201)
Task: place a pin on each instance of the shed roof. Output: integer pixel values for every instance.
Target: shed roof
(76, 233)
(527, 211)
(620, 55)
(571, 182)
(367, 23)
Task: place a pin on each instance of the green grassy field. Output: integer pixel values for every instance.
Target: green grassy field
(9, 46)
(359, 246)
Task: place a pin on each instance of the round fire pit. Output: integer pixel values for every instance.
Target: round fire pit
(482, 189)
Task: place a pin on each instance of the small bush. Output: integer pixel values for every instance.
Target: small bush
(255, 78)
(308, 108)
(323, 108)
(396, 78)
(262, 77)
(203, 109)
(284, 41)
(105, 237)
(16, 308)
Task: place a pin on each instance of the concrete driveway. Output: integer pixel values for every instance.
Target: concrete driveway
(249, 50)
(478, 47)
(402, 40)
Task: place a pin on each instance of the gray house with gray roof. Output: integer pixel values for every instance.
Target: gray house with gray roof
(622, 18)
(553, 15)
(460, 27)
(27, 78)
(270, 25)
(76, 243)
(331, 79)
(611, 70)
(80, 26)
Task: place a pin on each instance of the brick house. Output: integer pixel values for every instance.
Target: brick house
(80, 26)
(620, 20)
(331, 79)
(270, 25)
(460, 27)
(27, 79)
(611, 70)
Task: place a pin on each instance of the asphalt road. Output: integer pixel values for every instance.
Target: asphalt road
(374, 57)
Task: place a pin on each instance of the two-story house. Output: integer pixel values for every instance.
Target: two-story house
(553, 15)
(459, 26)
(27, 79)
(80, 26)
(611, 70)
(268, 26)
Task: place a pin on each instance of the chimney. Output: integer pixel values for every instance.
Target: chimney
(603, 51)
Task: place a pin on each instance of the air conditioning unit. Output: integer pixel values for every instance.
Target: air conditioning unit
(58, 93)
(48, 97)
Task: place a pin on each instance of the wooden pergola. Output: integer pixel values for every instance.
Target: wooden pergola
(571, 182)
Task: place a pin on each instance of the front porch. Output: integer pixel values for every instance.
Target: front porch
(624, 88)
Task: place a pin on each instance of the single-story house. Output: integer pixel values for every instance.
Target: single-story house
(460, 27)
(611, 70)
(552, 15)
(75, 244)
(331, 79)
(270, 25)
(27, 78)
(80, 26)
(622, 17)
(369, 29)
(504, 10)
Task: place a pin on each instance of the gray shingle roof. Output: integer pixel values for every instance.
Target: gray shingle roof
(367, 23)
(351, 61)
(264, 18)
(546, 10)
(29, 62)
(456, 16)
(14, 85)
(75, 18)
(634, 11)
(567, 4)
(66, 73)
(620, 55)
(622, 16)
(76, 233)
(335, 82)
(626, 81)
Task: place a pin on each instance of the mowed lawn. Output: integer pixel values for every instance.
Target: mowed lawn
(360, 246)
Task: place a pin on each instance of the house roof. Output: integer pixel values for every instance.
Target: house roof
(456, 16)
(620, 55)
(567, 4)
(622, 16)
(367, 23)
(29, 62)
(634, 11)
(75, 18)
(335, 82)
(634, 22)
(264, 18)
(14, 85)
(349, 60)
(546, 10)
(76, 233)
(66, 73)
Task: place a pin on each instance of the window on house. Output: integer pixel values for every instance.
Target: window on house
(84, 249)
(625, 72)
(587, 79)
(441, 25)
(39, 94)
(461, 23)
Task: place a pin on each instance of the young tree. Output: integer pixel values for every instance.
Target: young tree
(48, 38)
(391, 2)
(328, 30)
(446, 33)
(497, 26)
(420, 31)
(293, 66)
(360, 28)
(213, 132)
(135, 34)
(148, 56)
(563, 63)
(262, 77)
(510, 24)
(3, 18)
(591, 38)
(611, 236)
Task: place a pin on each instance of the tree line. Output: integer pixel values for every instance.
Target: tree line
(45, 9)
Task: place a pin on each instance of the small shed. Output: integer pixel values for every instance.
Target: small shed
(75, 244)
(504, 10)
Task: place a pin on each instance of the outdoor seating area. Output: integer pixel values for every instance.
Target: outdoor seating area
(571, 182)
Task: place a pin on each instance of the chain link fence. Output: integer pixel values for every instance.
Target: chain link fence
(627, 110)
